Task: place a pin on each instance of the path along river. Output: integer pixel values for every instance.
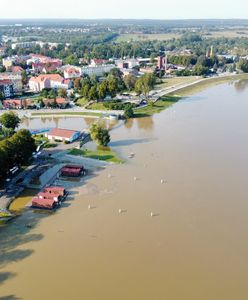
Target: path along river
(194, 247)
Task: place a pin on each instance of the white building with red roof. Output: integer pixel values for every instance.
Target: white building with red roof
(63, 135)
(72, 72)
(49, 81)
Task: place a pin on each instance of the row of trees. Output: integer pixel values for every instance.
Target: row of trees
(17, 147)
(15, 150)
(92, 89)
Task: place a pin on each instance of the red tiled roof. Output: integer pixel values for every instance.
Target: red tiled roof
(16, 69)
(43, 203)
(51, 77)
(5, 81)
(63, 133)
(45, 195)
(60, 100)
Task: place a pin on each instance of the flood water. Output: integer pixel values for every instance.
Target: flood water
(195, 245)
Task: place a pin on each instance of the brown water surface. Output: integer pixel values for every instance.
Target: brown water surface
(194, 247)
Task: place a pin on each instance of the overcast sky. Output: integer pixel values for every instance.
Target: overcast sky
(151, 9)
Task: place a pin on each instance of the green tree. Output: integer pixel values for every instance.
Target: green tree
(130, 81)
(1, 96)
(243, 65)
(100, 134)
(144, 84)
(92, 95)
(128, 112)
(102, 89)
(52, 94)
(62, 93)
(10, 120)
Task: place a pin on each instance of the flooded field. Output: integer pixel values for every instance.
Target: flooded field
(171, 223)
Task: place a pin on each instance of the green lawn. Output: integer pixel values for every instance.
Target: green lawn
(97, 106)
(93, 114)
(200, 86)
(82, 102)
(102, 153)
(161, 104)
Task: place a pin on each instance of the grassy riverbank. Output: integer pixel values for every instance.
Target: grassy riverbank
(171, 98)
(208, 82)
(102, 153)
(81, 114)
(163, 103)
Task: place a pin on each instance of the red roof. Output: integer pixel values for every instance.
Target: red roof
(55, 190)
(14, 102)
(60, 100)
(45, 195)
(5, 81)
(43, 203)
(16, 69)
(51, 77)
(63, 133)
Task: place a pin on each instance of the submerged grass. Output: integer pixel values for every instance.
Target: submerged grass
(93, 114)
(163, 103)
(102, 153)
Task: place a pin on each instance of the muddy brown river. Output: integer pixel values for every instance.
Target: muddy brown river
(182, 232)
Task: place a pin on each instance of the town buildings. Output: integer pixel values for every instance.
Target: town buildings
(97, 70)
(16, 80)
(49, 81)
(6, 88)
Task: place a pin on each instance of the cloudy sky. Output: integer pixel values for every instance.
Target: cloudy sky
(151, 9)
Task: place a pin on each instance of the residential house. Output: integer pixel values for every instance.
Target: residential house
(49, 81)
(72, 72)
(59, 101)
(15, 78)
(6, 88)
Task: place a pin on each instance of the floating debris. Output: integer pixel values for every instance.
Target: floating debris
(162, 181)
(135, 178)
(29, 225)
(154, 214)
(109, 175)
(131, 155)
(122, 211)
(91, 207)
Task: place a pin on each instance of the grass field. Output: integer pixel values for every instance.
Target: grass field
(102, 153)
(161, 104)
(174, 81)
(187, 91)
(146, 37)
(226, 33)
(44, 114)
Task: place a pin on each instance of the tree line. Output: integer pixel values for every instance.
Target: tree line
(16, 148)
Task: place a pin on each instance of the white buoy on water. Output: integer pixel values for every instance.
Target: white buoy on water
(154, 214)
(135, 178)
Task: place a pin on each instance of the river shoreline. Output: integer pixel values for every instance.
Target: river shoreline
(179, 92)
